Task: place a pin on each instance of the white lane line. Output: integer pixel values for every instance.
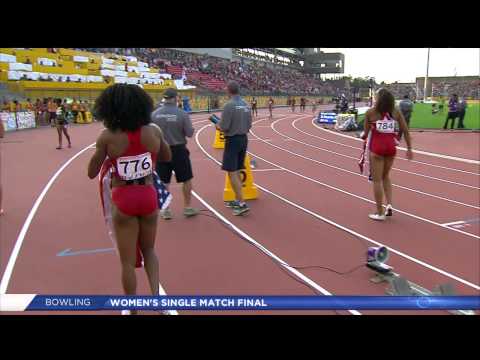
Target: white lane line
(356, 159)
(263, 249)
(454, 223)
(398, 158)
(362, 198)
(265, 169)
(161, 291)
(312, 213)
(364, 176)
(468, 161)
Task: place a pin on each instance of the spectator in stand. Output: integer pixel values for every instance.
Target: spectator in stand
(28, 105)
(452, 111)
(52, 111)
(462, 108)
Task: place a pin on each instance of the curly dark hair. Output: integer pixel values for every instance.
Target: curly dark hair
(385, 101)
(126, 107)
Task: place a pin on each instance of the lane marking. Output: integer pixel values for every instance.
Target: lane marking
(267, 252)
(441, 156)
(68, 252)
(454, 223)
(398, 158)
(264, 169)
(312, 213)
(364, 176)
(356, 159)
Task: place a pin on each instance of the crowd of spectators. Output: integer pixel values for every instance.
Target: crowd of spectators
(252, 75)
(399, 90)
(469, 88)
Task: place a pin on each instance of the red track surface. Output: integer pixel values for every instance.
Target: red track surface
(318, 172)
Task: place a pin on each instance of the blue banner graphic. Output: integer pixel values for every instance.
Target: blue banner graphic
(89, 303)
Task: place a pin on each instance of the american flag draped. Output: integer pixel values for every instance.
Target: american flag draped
(105, 179)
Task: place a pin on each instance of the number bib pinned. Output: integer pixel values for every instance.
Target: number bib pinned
(134, 167)
(386, 125)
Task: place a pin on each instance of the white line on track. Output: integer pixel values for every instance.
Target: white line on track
(454, 223)
(267, 169)
(363, 176)
(356, 159)
(398, 158)
(406, 256)
(267, 252)
(468, 161)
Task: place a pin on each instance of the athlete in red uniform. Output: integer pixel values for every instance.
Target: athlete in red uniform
(131, 143)
(381, 142)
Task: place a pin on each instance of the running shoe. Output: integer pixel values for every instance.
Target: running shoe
(240, 209)
(389, 210)
(189, 212)
(377, 217)
(166, 214)
(231, 204)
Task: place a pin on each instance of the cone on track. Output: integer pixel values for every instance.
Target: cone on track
(219, 142)
(249, 190)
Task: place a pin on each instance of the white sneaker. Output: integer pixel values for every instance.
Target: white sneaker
(377, 217)
(389, 210)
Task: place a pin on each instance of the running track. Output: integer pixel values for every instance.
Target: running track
(312, 210)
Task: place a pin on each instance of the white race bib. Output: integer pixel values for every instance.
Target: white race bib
(385, 125)
(134, 167)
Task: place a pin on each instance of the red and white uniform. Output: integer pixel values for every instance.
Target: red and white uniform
(382, 139)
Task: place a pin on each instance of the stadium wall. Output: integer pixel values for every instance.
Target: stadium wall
(225, 53)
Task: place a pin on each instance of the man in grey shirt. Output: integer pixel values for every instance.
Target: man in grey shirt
(406, 107)
(176, 126)
(235, 123)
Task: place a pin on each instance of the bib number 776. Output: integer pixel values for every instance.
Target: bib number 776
(134, 167)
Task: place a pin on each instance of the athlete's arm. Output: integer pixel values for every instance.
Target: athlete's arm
(366, 125)
(164, 154)
(403, 126)
(98, 157)
(2, 130)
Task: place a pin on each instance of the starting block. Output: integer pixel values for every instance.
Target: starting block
(249, 190)
(219, 142)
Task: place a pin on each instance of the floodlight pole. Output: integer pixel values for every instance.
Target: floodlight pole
(426, 77)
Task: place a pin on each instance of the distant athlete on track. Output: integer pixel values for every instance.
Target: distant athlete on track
(132, 144)
(61, 123)
(270, 107)
(381, 143)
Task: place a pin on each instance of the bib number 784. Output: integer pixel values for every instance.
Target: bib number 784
(385, 126)
(134, 167)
